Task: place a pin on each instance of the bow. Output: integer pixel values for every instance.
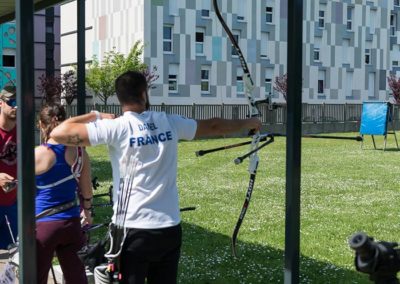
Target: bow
(253, 112)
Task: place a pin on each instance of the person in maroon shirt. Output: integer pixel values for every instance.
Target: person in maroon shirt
(8, 166)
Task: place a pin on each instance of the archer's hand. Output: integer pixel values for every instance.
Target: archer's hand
(104, 115)
(86, 217)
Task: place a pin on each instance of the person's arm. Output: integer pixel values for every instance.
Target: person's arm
(219, 126)
(85, 185)
(73, 131)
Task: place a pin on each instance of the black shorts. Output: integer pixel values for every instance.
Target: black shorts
(151, 254)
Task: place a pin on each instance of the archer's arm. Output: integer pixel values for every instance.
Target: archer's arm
(219, 126)
(73, 132)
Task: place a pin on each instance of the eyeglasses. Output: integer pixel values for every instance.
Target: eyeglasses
(11, 102)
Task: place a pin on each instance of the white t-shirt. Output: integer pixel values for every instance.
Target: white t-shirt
(152, 139)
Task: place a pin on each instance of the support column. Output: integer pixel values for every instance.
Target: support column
(81, 57)
(25, 131)
(293, 145)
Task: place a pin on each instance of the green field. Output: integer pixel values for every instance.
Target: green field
(344, 190)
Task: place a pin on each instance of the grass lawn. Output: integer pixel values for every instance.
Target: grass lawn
(344, 190)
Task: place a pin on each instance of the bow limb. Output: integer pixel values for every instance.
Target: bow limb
(253, 112)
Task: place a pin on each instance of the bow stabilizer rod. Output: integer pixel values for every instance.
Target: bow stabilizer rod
(263, 137)
(240, 159)
(356, 138)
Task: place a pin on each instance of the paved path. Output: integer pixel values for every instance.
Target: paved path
(57, 270)
(4, 259)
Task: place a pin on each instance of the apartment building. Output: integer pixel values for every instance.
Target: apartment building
(350, 46)
(46, 47)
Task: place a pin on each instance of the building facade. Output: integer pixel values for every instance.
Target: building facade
(7, 54)
(350, 46)
(46, 48)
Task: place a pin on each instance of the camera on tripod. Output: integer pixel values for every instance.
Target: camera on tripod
(378, 259)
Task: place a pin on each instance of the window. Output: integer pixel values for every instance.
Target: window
(321, 19)
(372, 20)
(393, 24)
(173, 78)
(349, 23)
(321, 81)
(205, 13)
(236, 35)
(200, 41)
(264, 45)
(320, 86)
(239, 81)
(268, 14)
(8, 60)
(167, 39)
(205, 79)
(316, 54)
(396, 2)
(241, 12)
(349, 83)
(205, 9)
(367, 56)
(268, 82)
(395, 63)
(268, 87)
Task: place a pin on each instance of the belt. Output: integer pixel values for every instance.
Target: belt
(57, 209)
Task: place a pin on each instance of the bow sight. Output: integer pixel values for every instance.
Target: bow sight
(378, 259)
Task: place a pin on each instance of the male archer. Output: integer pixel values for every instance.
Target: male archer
(151, 249)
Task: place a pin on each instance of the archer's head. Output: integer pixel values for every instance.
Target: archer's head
(131, 88)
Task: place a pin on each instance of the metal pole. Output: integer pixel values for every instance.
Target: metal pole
(81, 57)
(293, 146)
(25, 139)
(50, 41)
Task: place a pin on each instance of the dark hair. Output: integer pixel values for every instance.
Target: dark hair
(50, 116)
(130, 87)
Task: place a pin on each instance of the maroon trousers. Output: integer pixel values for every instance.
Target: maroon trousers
(65, 238)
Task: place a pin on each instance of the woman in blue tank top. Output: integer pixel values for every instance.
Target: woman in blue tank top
(62, 172)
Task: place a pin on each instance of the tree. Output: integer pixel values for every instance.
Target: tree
(50, 87)
(100, 77)
(394, 85)
(132, 62)
(281, 85)
(55, 88)
(151, 76)
(69, 86)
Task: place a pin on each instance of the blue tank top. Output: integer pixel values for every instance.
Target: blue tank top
(52, 196)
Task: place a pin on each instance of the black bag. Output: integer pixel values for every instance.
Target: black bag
(92, 255)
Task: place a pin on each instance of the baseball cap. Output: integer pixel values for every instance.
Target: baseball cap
(8, 92)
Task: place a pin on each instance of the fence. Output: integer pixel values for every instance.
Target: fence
(311, 113)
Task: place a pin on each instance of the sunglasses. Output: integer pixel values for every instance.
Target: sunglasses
(11, 102)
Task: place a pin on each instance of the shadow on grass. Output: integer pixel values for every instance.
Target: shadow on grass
(381, 149)
(207, 258)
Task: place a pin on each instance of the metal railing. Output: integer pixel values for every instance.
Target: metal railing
(311, 113)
